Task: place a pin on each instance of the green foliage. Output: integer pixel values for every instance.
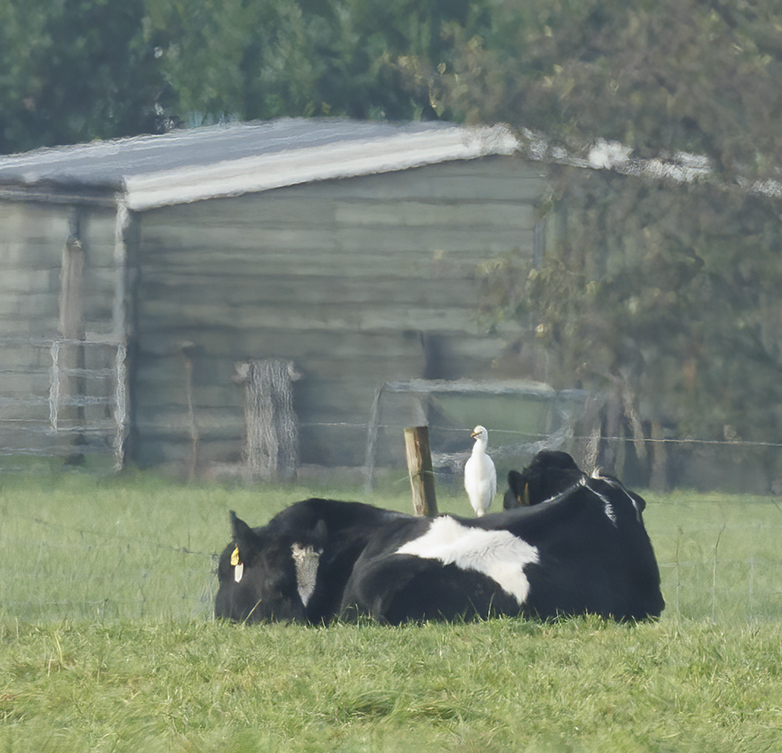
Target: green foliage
(73, 70)
(665, 290)
(200, 47)
(659, 77)
(658, 296)
(667, 76)
(267, 59)
(656, 76)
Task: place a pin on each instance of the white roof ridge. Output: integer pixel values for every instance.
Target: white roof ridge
(238, 158)
(342, 159)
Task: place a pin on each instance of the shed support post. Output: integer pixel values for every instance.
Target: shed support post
(125, 241)
(71, 325)
(372, 428)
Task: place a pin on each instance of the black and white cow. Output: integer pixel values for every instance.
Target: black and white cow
(297, 566)
(585, 550)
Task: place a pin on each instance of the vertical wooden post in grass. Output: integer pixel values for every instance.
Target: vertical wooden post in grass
(419, 466)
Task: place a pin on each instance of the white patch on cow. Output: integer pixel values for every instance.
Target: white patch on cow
(497, 554)
(607, 506)
(306, 560)
(614, 484)
(618, 485)
(564, 493)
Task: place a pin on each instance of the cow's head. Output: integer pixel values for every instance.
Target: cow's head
(549, 473)
(266, 576)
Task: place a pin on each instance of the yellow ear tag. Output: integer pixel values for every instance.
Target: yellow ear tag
(237, 565)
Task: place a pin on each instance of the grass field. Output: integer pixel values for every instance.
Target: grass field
(107, 643)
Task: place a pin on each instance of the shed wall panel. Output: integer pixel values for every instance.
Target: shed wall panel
(33, 237)
(349, 279)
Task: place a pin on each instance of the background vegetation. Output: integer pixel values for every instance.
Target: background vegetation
(659, 298)
(677, 75)
(107, 641)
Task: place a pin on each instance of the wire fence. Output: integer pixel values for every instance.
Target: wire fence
(741, 588)
(62, 398)
(719, 557)
(66, 399)
(725, 572)
(58, 572)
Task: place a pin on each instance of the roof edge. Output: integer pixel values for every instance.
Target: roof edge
(346, 159)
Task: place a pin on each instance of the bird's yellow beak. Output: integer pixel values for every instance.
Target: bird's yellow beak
(474, 434)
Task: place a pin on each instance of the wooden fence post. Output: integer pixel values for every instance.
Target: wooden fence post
(419, 466)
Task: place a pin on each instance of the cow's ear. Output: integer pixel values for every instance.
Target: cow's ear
(244, 536)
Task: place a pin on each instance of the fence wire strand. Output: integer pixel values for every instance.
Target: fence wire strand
(743, 588)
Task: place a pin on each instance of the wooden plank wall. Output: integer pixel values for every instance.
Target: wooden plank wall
(31, 244)
(357, 281)
(32, 238)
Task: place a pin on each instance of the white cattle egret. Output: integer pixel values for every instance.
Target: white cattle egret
(480, 477)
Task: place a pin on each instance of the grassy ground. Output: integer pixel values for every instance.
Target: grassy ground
(106, 641)
(503, 685)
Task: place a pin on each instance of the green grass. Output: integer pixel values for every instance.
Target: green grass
(503, 685)
(79, 547)
(719, 555)
(107, 642)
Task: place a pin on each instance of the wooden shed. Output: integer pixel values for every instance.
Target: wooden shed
(142, 280)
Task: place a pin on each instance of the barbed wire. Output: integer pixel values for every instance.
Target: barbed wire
(749, 598)
(465, 430)
(115, 537)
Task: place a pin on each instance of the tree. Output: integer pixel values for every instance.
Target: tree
(659, 77)
(74, 70)
(300, 58)
(659, 296)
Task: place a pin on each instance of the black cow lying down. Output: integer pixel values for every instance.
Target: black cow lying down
(584, 550)
(549, 473)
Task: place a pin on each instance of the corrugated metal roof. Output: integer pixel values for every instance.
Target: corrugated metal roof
(226, 160)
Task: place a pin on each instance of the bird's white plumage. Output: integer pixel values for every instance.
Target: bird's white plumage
(480, 476)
